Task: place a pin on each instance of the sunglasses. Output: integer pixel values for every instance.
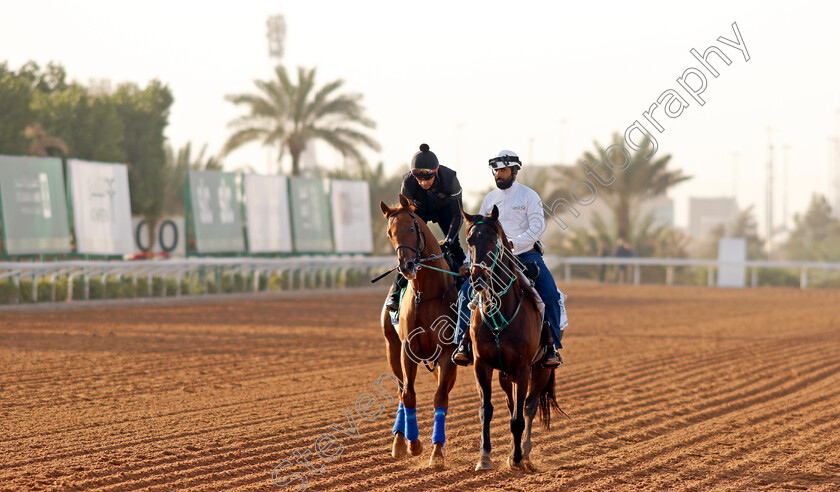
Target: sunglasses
(423, 174)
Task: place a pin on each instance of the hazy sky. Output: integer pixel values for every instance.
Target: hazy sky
(540, 78)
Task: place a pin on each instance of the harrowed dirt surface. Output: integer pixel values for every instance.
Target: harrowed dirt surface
(667, 388)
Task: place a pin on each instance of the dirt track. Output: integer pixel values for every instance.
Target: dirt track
(667, 388)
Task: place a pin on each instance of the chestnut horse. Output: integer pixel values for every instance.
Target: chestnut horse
(505, 328)
(426, 327)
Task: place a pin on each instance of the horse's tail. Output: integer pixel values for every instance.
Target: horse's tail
(548, 401)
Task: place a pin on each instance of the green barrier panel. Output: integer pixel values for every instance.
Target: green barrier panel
(34, 206)
(311, 226)
(216, 218)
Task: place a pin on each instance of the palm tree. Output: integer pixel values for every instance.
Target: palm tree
(642, 180)
(177, 167)
(290, 116)
(645, 238)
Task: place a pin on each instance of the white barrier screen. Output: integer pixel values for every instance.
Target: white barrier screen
(735, 250)
(101, 208)
(351, 216)
(267, 214)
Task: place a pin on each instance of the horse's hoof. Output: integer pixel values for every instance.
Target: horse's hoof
(437, 459)
(398, 449)
(415, 447)
(526, 463)
(484, 464)
(512, 463)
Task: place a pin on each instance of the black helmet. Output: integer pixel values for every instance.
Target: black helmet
(425, 159)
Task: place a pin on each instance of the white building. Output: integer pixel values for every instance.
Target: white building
(663, 211)
(704, 214)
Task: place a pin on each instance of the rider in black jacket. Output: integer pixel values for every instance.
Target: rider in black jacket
(436, 194)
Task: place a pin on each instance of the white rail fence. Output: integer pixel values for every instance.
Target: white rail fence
(671, 263)
(315, 271)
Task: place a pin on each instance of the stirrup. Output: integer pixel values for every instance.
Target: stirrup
(552, 359)
(463, 356)
(392, 303)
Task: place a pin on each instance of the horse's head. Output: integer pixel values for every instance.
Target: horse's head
(405, 234)
(486, 242)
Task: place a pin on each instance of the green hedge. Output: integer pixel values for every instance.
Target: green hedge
(196, 284)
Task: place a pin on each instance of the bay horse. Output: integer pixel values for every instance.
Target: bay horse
(426, 327)
(505, 328)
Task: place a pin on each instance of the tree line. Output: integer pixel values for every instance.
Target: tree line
(42, 113)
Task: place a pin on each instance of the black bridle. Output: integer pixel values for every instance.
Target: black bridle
(421, 242)
(495, 321)
(418, 251)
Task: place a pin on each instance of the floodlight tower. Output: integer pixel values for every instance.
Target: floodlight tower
(785, 186)
(837, 163)
(458, 128)
(276, 43)
(276, 36)
(769, 193)
(736, 156)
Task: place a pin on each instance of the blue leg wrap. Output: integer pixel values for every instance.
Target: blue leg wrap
(399, 423)
(439, 430)
(411, 431)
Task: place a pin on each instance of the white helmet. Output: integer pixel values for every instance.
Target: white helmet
(505, 158)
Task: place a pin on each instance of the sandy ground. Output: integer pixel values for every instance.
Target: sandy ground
(667, 389)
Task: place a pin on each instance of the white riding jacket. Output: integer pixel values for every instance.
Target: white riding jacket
(521, 215)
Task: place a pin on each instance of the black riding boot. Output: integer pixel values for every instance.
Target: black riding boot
(393, 302)
(463, 356)
(552, 358)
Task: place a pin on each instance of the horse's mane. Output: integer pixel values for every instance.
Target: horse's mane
(529, 293)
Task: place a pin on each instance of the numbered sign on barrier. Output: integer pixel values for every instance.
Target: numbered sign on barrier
(101, 208)
(34, 205)
(170, 236)
(267, 214)
(350, 202)
(215, 202)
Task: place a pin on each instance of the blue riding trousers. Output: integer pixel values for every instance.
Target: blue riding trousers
(555, 310)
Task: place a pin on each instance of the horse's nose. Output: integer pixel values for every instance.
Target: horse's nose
(409, 265)
(477, 281)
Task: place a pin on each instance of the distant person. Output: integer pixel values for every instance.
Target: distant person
(623, 251)
(604, 252)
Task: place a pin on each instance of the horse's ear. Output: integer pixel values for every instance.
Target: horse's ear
(495, 213)
(385, 208)
(469, 218)
(404, 201)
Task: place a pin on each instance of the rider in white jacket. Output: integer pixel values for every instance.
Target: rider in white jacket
(522, 218)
